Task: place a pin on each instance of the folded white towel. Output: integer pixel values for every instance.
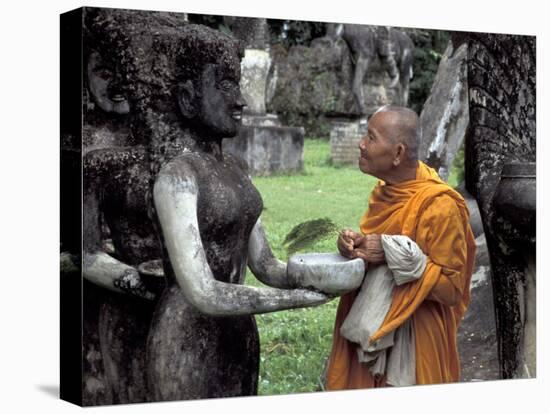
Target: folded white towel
(403, 256)
(393, 354)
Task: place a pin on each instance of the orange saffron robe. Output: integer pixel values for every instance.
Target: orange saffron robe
(435, 216)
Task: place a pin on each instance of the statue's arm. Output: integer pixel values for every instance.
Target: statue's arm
(263, 263)
(175, 195)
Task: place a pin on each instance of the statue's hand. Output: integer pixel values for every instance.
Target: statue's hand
(130, 282)
(314, 298)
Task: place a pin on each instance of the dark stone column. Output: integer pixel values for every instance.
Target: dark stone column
(500, 144)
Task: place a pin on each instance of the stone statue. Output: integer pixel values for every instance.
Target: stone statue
(176, 195)
(203, 340)
(500, 172)
(393, 47)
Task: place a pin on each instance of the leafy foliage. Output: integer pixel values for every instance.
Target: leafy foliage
(294, 32)
(210, 20)
(309, 232)
(456, 174)
(429, 48)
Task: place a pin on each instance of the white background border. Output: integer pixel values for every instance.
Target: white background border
(29, 287)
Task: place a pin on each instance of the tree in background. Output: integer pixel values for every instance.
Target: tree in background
(294, 32)
(429, 48)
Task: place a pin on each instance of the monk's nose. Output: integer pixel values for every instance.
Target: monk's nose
(362, 144)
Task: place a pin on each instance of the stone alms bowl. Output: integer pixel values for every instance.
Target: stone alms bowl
(329, 273)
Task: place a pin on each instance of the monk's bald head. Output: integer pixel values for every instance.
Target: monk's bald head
(401, 125)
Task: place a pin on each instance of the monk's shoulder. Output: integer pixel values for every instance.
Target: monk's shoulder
(441, 207)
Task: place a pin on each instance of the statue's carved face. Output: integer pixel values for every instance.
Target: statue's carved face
(106, 90)
(222, 102)
(213, 102)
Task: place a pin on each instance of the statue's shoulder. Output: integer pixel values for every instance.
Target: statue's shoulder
(185, 164)
(105, 162)
(114, 156)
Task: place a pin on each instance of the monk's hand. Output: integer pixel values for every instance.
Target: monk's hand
(369, 248)
(346, 242)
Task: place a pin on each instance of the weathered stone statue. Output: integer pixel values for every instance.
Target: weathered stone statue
(393, 47)
(180, 83)
(500, 173)
(203, 340)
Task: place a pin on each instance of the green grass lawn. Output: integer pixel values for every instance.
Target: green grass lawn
(296, 343)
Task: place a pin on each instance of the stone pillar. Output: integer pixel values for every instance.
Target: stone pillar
(500, 155)
(267, 146)
(254, 69)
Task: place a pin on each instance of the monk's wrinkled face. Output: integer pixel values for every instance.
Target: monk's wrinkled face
(221, 103)
(377, 150)
(105, 86)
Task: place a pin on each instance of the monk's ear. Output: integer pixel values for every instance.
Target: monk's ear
(400, 152)
(187, 99)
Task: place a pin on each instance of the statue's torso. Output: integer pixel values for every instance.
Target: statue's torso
(228, 207)
(123, 188)
(191, 354)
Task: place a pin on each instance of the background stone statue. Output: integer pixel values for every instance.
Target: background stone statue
(393, 47)
(500, 173)
(311, 85)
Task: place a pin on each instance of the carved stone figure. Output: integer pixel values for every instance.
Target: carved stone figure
(203, 340)
(500, 173)
(393, 47)
(181, 83)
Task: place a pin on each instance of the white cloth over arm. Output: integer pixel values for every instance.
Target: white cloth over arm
(393, 354)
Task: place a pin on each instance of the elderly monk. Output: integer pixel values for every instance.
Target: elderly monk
(410, 199)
